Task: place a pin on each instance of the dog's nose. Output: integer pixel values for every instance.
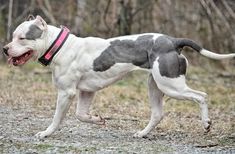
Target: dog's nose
(5, 50)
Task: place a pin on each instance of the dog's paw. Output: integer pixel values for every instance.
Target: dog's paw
(139, 134)
(207, 125)
(98, 120)
(41, 135)
(94, 119)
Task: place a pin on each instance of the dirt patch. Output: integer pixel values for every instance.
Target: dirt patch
(27, 101)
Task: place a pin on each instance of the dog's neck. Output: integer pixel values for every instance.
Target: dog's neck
(55, 46)
(50, 37)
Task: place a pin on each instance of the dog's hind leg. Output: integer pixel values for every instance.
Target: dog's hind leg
(83, 105)
(177, 88)
(155, 98)
(201, 99)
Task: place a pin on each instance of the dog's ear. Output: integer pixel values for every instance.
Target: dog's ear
(40, 22)
(30, 17)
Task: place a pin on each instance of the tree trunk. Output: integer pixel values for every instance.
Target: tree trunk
(9, 22)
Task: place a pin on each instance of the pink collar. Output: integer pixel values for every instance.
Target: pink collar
(47, 57)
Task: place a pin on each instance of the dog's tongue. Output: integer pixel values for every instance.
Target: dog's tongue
(19, 60)
(16, 61)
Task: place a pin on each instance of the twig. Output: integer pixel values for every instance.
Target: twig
(25, 12)
(207, 145)
(123, 119)
(47, 10)
(23, 15)
(9, 20)
(209, 17)
(229, 9)
(220, 14)
(105, 14)
(141, 8)
(226, 75)
(205, 6)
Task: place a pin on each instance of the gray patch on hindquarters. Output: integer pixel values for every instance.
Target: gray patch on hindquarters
(172, 65)
(33, 33)
(162, 45)
(125, 51)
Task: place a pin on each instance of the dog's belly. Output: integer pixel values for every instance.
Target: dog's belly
(93, 81)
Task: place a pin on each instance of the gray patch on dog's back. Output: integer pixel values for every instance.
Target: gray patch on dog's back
(143, 52)
(125, 51)
(33, 33)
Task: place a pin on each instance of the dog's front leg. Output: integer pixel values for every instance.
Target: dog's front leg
(63, 102)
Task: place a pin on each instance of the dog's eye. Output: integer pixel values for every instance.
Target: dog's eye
(22, 38)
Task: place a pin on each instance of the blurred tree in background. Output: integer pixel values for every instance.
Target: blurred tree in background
(209, 22)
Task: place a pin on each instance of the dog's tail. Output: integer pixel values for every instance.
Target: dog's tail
(181, 42)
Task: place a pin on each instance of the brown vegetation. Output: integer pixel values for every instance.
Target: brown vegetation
(210, 22)
(27, 100)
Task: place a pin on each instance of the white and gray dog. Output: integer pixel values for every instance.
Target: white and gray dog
(90, 64)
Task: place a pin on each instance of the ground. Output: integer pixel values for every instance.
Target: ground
(27, 104)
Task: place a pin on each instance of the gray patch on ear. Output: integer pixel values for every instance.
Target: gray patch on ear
(125, 51)
(33, 33)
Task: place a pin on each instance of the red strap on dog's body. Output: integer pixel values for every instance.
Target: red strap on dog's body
(47, 57)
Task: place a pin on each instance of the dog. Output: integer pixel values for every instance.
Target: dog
(90, 64)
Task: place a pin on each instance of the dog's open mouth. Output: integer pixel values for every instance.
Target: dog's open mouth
(20, 60)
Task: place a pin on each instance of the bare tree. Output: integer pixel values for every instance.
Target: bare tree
(45, 6)
(9, 22)
(209, 22)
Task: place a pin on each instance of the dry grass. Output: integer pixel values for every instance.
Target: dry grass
(22, 88)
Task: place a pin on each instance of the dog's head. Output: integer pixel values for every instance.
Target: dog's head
(27, 41)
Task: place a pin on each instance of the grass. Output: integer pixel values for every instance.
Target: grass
(22, 88)
(43, 146)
